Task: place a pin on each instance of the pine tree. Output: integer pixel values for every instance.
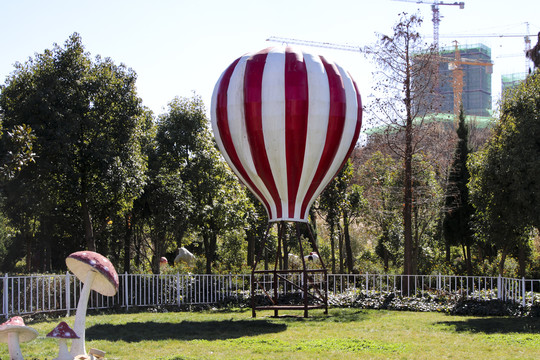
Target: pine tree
(458, 210)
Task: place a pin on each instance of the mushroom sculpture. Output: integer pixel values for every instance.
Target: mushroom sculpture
(13, 332)
(312, 257)
(163, 261)
(184, 255)
(62, 332)
(97, 273)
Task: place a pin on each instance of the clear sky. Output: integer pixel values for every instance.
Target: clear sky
(178, 47)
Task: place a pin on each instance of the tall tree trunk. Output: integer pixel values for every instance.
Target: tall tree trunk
(155, 263)
(407, 183)
(468, 260)
(285, 245)
(348, 246)
(158, 244)
(501, 263)
(313, 222)
(416, 242)
(340, 246)
(279, 251)
(333, 248)
(210, 243)
(407, 216)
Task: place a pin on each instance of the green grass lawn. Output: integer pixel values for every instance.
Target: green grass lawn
(343, 334)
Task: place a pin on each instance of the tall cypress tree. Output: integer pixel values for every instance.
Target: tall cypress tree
(458, 210)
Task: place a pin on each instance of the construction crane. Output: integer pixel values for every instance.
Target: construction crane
(326, 45)
(436, 15)
(456, 66)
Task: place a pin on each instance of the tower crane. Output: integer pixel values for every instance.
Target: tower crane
(436, 15)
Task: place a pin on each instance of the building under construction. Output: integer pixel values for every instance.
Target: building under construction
(476, 91)
(510, 81)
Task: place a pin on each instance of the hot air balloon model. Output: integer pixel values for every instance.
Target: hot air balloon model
(286, 121)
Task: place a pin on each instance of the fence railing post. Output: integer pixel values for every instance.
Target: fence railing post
(6, 296)
(499, 288)
(367, 283)
(68, 293)
(178, 289)
(126, 291)
(524, 292)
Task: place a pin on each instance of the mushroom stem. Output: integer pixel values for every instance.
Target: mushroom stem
(63, 353)
(77, 345)
(14, 346)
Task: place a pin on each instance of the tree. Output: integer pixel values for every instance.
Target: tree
(88, 124)
(212, 197)
(458, 209)
(504, 175)
(407, 80)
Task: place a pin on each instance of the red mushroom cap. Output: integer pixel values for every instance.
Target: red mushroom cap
(14, 321)
(106, 280)
(63, 331)
(16, 324)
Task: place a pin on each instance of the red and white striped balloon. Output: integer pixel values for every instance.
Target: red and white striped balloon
(286, 121)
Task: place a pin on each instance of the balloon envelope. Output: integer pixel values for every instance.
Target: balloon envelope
(286, 121)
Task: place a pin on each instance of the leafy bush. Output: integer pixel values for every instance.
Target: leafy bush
(481, 303)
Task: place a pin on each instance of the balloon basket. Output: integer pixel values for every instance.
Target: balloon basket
(304, 289)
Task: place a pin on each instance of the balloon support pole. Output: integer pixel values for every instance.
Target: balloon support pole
(269, 288)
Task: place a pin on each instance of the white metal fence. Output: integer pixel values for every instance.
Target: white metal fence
(51, 293)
